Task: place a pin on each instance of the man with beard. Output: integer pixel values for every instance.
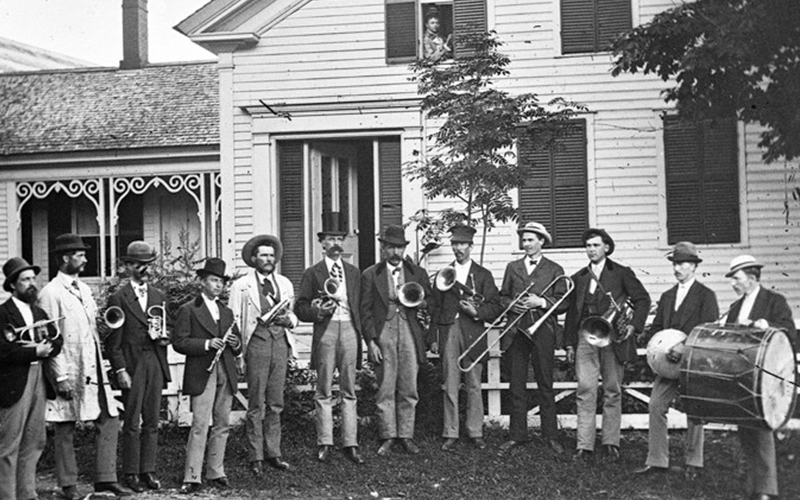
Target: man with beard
(336, 341)
(395, 337)
(267, 346)
(82, 388)
(23, 386)
(140, 362)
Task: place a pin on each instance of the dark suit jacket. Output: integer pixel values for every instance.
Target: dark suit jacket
(124, 345)
(699, 306)
(770, 306)
(15, 359)
(375, 302)
(311, 287)
(194, 326)
(621, 282)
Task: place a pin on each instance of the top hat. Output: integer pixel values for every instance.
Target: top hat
(742, 262)
(13, 267)
(684, 251)
(139, 251)
(537, 228)
(461, 233)
(594, 231)
(261, 240)
(69, 242)
(393, 235)
(213, 266)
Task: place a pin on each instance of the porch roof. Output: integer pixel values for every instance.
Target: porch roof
(79, 110)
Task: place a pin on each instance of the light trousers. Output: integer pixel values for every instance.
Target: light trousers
(266, 362)
(453, 347)
(664, 391)
(214, 405)
(590, 363)
(337, 349)
(762, 468)
(397, 380)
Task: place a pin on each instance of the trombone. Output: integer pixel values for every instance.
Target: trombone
(570, 286)
(13, 334)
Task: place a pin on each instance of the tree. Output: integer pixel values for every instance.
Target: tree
(727, 57)
(471, 157)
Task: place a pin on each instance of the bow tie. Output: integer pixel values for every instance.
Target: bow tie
(533, 262)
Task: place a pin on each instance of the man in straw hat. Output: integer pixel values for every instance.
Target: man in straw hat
(596, 285)
(204, 329)
(24, 389)
(534, 268)
(140, 363)
(395, 337)
(764, 309)
(82, 388)
(268, 346)
(336, 341)
(459, 319)
(682, 307)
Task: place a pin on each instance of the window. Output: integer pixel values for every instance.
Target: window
(556, 191)
(430, 28)
(591, 25)
(702, 175)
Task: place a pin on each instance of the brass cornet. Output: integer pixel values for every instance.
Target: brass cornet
(157, 322)
(36, 332)
(330, 295)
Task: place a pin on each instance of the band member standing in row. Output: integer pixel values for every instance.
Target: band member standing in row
(140, 363)
(395, 338)
(459, 319)
(82, 388)
(519, 274)
(24, 389)
(682, 307)
(596, 285)
(267, 346)
(764, 309)
(336, 341)
(203, 329)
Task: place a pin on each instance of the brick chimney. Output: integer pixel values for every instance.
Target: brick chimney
(134, 34)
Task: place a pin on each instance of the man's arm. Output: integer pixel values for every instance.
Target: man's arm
(113, 341)
(638, 297)
(184, 343)
(303, 308)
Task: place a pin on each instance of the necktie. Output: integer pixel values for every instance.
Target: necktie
(336, 271)
(141, 292)
(267, 288)
(76, 290)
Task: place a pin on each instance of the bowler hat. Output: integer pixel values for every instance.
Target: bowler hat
(13, 267)
(393, 235)
(69, 242)
(461, 233)
(684, 251)
(261, 240)
(594, 231)
(139, 251)
(537, 228)
(742, 262)
(213, 266)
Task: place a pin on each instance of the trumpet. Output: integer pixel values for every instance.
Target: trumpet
(218, 355)
(599, 331)
(114, 317)
(157, 322)
(410, 294)
(446, 279)
(39, 331)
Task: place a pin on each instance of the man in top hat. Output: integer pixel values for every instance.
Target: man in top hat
(395, 337)
(520, 349)
(204, 329)
(595, 287)
(336, 341)
(268, 346)
(140, 362)
(763, 309)
(458, 321)
(82, 388)
(682, 307)
(23, 385)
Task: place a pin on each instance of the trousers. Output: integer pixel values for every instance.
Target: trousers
(265, 362)
(338, 349)
(397, 380)
(664, 391)
(590, 363)
(453, 347)
(140, 424)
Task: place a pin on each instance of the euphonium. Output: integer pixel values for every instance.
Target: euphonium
(157, 322)
(600, 331)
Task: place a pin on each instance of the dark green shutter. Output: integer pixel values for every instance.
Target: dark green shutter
(578, 30)
(469, 18)
(391, 186)
(401, 32)
(613, 18)
(290, 180)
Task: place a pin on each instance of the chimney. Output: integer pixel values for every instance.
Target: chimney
(134, 34)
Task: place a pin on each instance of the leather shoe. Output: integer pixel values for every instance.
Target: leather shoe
(479, 443)
(277, 463)
(190, 488)
(505, 447)
(70, 492)
(324, 453)
(449, 444)
(611, 452)
(114, 488)
(149, 479)
(649, 470)
(554, 445)
(409, 445)
(386, 447)
(257, 468)
(132, 481)
(220, 482)
(584, 455)
(352, 454)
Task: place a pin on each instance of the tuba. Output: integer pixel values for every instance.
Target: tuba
(157, 322)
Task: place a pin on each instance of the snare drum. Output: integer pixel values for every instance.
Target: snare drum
(738, 375)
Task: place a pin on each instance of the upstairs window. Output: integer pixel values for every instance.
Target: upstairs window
(589, 26)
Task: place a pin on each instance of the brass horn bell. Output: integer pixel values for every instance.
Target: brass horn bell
(598, 330)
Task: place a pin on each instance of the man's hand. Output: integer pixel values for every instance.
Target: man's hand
(468, 308)
(675, 353)
(43, 349)
(283, 320)
(240, 366)
(435, 347)
(375, 355)
(232, 340)
(216, 344)
(64, 389)
(570, 354)
(761, 324)
(124, 379)
(629, 332)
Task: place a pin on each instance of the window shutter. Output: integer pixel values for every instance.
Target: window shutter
(290, 180)
(391, 186)
(721, 181)
(401, 31)
(613, 18)
(469, 18)
(578, 29)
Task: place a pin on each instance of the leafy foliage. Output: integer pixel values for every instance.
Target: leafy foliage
(727, 57)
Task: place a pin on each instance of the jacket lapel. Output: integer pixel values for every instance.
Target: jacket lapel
(253, 292)
(689, 304)
(669, 305)
(205, 319)
(16, 316)
(759, 309)
(382, 282)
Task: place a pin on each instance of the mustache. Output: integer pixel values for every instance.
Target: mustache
(336, 248)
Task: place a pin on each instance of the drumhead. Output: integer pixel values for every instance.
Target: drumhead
(777, 392)
(657, 350)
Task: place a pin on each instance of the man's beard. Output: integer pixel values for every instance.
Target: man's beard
(267, 268)
(73, 270)
(30, 295)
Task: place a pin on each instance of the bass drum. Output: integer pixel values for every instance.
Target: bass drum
(738, 375)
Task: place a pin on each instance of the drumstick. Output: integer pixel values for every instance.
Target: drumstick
(756, 365)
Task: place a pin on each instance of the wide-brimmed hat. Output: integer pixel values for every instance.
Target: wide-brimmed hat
(537, 228)
(13, 267)
(69, 242)
(461, 233)
(213, 266)
(393, 235)
(742, 262)
(684, 251)
(594, 231)
(139, 251)
(261, 240)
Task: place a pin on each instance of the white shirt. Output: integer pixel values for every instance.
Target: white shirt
(747, 306)
(141, 294)
(529, 266)
(597, 269)
(394, 272)
(462, 271)
(212, 306)
(683, 289)
(24, 309)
